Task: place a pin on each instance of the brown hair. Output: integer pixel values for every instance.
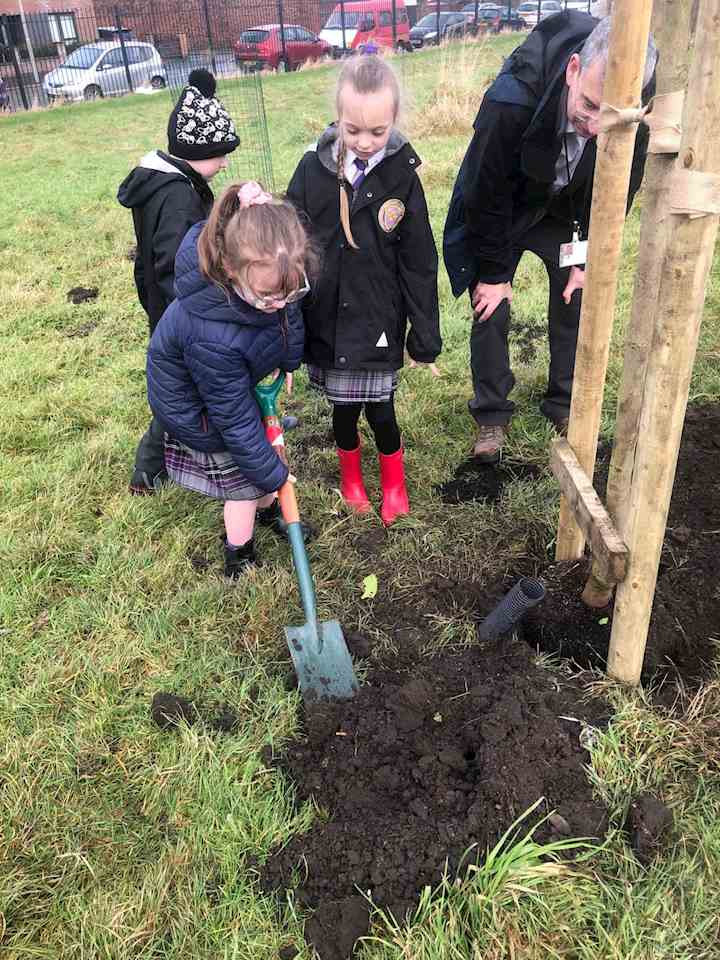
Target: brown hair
(365, 74)
(238, 236)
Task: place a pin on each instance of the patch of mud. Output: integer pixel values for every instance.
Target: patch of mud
(415, 772)
(168, 710)
(648, 823)
(82, 294)
(474, 481)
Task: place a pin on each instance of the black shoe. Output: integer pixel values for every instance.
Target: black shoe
(288, 423)
(238, 560)
(143, 485)
(272, 517)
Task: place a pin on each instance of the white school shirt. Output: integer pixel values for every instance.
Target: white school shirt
(351, 171)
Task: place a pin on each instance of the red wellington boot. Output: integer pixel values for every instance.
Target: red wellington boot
(392, 478)
(352, 487)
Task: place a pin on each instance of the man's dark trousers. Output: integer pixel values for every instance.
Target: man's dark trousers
(490, 359)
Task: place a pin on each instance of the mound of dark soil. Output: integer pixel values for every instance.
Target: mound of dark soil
(686, 611)
(476, 481)
(82, 294)
(414, 772)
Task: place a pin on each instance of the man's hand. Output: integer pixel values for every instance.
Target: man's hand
(576, 281)
(487, 297)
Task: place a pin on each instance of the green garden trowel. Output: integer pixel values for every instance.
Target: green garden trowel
(320, 655)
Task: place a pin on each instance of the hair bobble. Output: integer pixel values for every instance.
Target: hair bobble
(251, 194)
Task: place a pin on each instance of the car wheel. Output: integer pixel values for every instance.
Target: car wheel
(158, 83)
(93, 92)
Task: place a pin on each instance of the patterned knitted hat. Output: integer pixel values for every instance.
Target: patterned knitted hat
(200, 127)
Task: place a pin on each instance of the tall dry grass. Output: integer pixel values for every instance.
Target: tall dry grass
(462, 79)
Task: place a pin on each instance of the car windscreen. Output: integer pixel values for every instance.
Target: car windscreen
(254, 36)
(83, 58)
(430, 20)
(336, 20)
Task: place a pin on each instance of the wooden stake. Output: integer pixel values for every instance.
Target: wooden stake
(683, 280)
(609, 551)
(623, 88)
(671, 29)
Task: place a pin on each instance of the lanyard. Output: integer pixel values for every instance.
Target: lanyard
(575, 222)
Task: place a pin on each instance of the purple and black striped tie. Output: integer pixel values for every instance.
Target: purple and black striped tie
(361, 166)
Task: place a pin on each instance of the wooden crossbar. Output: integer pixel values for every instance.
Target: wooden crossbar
(609, 551)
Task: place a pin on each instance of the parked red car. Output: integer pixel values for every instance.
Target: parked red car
(261, 47)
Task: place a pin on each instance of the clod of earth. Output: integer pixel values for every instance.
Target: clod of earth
(288, 953)
(167, 710)
(649, 821)
(82, 294)
(417, 771)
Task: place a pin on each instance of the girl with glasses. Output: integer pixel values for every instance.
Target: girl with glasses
(238, 279)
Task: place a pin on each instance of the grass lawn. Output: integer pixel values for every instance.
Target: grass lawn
(119, 840)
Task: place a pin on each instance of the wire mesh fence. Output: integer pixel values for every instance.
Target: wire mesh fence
(99, 49)
(102, 49)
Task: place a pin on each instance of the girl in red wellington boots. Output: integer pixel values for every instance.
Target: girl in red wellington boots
(360, 191)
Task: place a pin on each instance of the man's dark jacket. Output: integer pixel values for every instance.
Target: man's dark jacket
(207, 353)
(365, 297)
(166, 197)
(505, 181)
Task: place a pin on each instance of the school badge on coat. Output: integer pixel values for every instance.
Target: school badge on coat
(390, 214)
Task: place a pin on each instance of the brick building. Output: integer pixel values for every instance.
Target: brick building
(181, 27)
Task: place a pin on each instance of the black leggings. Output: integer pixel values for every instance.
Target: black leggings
(380, 416)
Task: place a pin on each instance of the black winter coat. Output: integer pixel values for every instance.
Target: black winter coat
(392, 277)
(504, 184)
(206, 355)
(166, 197)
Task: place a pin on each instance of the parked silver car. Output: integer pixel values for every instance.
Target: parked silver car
(98, 69)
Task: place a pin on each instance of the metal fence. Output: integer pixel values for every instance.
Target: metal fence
(101, 49)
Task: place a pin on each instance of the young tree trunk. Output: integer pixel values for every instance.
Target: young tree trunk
(671, 29)
(683, 279)
(623, 87)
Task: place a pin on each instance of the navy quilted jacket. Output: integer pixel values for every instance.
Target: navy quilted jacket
(207, 353)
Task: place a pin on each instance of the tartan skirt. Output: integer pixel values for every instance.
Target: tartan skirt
(213, 474)
(354, 386)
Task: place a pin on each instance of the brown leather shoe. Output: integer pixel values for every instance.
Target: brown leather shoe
(489, 443)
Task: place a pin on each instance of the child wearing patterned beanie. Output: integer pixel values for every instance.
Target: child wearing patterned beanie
(168, 194)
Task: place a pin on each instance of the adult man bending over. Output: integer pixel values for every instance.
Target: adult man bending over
(526, 184)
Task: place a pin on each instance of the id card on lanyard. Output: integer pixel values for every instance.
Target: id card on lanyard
(573, 254)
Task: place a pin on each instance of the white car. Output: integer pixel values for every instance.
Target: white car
(529, 10)
(98, 69)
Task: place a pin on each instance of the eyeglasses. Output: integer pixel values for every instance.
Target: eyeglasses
(264, 303)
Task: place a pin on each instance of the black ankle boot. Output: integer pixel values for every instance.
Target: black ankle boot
(272, 517)
(238, 560)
